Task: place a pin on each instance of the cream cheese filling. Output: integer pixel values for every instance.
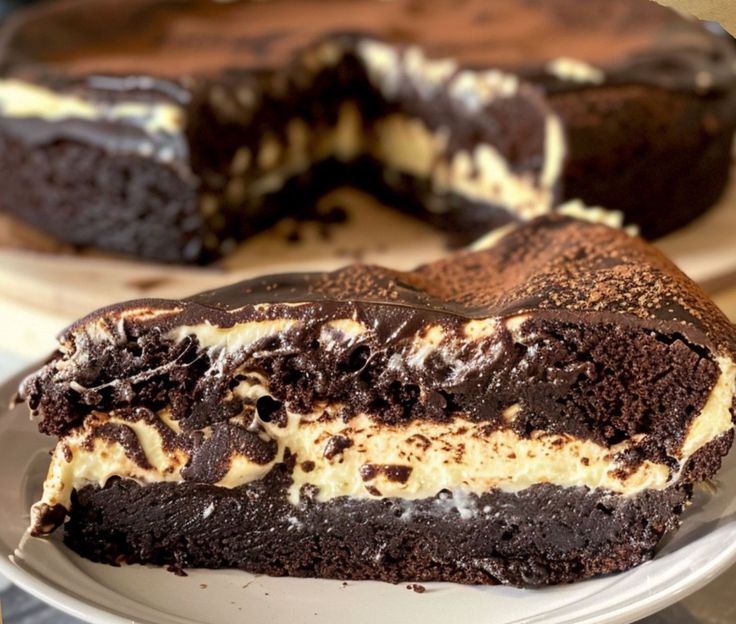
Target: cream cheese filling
(405, 146)
(453, 456)
(574, 70)
(715, 417)
(235, 338)
(23, 100)
(412, 460)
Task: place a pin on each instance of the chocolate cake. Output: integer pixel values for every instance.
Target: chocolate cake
(172, 130)
(531, 413)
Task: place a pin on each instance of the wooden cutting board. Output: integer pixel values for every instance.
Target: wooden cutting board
(44, 291)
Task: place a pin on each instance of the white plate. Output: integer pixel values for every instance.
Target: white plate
(704, 547)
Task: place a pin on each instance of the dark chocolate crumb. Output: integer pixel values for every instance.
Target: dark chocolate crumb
(373, 490)
(420, 441)
(368, 472)
(176, 569)
(419, 589)
(269, 409)
(396, 473)
(336, 445)
(212, 461)
(392, 472)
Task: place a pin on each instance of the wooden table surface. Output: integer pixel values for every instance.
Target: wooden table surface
(43, 292)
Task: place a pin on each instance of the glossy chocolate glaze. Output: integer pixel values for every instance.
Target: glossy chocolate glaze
(552, 266)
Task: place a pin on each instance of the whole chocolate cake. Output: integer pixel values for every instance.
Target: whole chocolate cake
(536, 412)
(172, 130)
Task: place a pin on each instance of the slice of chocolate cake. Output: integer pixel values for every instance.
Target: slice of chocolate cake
(533, 413)
(172, 130)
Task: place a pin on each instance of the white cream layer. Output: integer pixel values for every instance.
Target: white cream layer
(574, 70)
(22, 100)
(405, 146)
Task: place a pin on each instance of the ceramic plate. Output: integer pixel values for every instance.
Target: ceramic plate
(704, 547)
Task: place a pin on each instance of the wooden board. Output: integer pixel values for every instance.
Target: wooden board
(722, 11)
(43, 292)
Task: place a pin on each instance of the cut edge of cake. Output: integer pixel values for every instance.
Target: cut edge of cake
(568, 367)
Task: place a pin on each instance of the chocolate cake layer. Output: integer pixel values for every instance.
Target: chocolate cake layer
(541, 280)
(561, 372)
(543, 535)
(239, 101)
(565, 361)
(389, 540)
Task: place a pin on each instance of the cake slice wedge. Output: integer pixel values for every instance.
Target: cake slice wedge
(532, 413)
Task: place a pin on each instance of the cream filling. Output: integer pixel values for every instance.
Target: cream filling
(95, 463)
(715, 417)
(23, 100)
(407, 146)
(235, 338)
(575, 70)
(452, 456)
(412, 460)
(404, 145)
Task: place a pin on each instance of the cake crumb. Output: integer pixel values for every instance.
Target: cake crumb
(416, 588)
(147, 283)
(203, 585)
(177, 569)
